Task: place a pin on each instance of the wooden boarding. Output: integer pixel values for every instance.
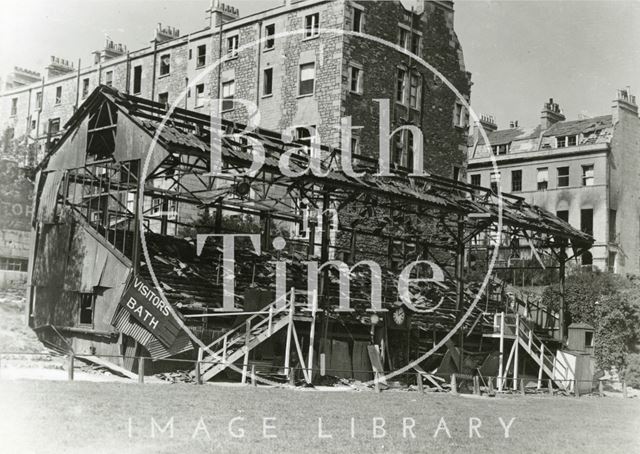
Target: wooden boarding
(376, 362)
(432, 378)
(109, 365)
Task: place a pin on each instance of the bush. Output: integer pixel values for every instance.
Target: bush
(632, 372)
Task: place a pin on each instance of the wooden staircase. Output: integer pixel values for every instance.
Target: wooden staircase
(236, 344)
(516, 327)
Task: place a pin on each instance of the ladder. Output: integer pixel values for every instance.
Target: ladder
(238, 342)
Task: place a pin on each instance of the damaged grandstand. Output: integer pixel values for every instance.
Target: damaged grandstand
(88, 256)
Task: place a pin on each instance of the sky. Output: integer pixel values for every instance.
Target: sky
(520, 52)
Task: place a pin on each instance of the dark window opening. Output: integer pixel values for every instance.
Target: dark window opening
(137, 79)
(163, 98)
(307, 78)
(588, 338)
(228, 93)
(613, 215)
(587, 259)
(357, 20)
(516, 180)
(563, 214)
(54, 126)
(58, 95)
(270, 31)
(85, 88)
(202, 55)
(586, 221)
(14, 107)
(267, 87)
(311, 25)
(87, 301)
(13, 264)
(476, 179)
(165, 65)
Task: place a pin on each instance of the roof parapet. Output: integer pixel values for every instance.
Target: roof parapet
(165, 33)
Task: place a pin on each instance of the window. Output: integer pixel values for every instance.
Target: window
(500, 149)
(571, 141)
(87, 301)
(311, 24)
(563, 214)
(232, 46)
(561, 142)
(563, 177)
(228, 93)
(476, 179)
(415, 88)
(39, 100)
(611, 262)
(543, 179)
(355, 145)
(85, 88)
(566, 141)
(516, 180)
(13, 264)
(307, 79)
(495, 181)
(415, 43)
(613, 215)
(400, 85)
(356, 24)
(108, 78)
(587, 259)
(587, 175)
(33, 124)
(58, 95)
(355, 79)
(586, 220)
(163, 98)
(588, 338)
(137, 79)
(54, 126)
(269, 31)
(165, 64)
(202, 55)
(14, 106)
(408, 40)
(456, 173)
(267, 82)
(403, 38)
(199, 95)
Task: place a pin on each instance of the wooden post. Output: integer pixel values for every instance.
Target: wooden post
(312, 333)
(253, 375)
(522, 386)
(476, 385)
(491, 390)
(70, 366)
(323, 366)
(517, 348)
(287, 347)
(541, 365)
(624, 389)
(600, 388)
(419, 382)
(376, 382)
(454, 385)
(501, 357)
(141, 370)
(245, 364)
(292, 376)
(550, 385)
(576, 389)
(198, 373)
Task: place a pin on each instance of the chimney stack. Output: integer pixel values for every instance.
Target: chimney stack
(513, 124)
(488, 123)
(551, 114)
(220, 13)
(58, 67)
(624, 104)
(165, 33)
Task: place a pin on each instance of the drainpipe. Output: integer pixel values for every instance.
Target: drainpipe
(75, 108)
(153, 74)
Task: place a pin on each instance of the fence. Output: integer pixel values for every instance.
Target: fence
(451, 382)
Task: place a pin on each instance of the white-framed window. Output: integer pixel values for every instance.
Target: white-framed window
(311, 25)
(269, 32)
(563, 177)
(588, 176)
(543, 178)
(415, 90)
(401, 83)
(228, 93)
(495, 181)
(355, 78)
(199, 102)
(267, 82)
(306, 79)
(232, 46)
(201, 59)
(165, 64)
(410, 40)
(357, 20)
(39, 100)
(58, 95)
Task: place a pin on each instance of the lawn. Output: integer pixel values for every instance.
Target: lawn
(70, 417)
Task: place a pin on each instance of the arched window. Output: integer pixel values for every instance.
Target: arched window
(587, 258)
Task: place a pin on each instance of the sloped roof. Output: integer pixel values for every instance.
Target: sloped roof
(574, 127)
(505, 136)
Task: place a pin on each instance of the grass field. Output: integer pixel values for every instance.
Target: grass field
(70, 417)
